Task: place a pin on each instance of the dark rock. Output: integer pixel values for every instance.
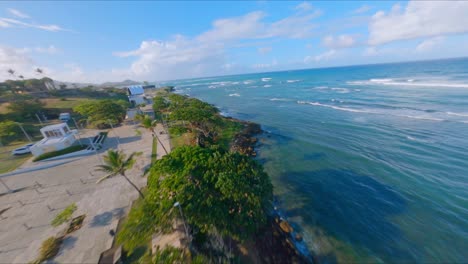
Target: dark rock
(286, 227)
(298, 237)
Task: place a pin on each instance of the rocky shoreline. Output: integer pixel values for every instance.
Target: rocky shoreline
(277, 241)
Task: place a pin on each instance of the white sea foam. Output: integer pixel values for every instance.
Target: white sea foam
(381, 80)
(266, 85)
(335, 107)
(357, 90)
(234, 94)
(457, 114)
(409, 82)
(279, 99)
(422, 118)
(321, 87)
(212, 86)
(340, 90)
(292, 81)
(266, 79)
(248, 82)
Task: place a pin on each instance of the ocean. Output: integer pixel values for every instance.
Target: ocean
(369, 163)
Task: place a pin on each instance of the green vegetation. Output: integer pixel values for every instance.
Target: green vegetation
(49, 249)
(25, 109)
(8, 130)
(201, 119)
(117, 163)
(64, 151)
(10, 162)
(171, 255)
(154, 151)
(217, 190)
(64, 216)
(100, 112)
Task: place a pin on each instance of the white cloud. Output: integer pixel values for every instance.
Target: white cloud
(321, 57)
(341, 41)
(264, 50)
(265, 65)
(419, 19)
(15, 59)
(304, 6)
(429, 44)
(362, 9)
(17, 13)
(205, 53)
(371, 51)
(251, 26)
(9, 22)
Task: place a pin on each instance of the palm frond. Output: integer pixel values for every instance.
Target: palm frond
(106, 177)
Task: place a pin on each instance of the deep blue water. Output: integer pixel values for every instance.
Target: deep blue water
(370, 162)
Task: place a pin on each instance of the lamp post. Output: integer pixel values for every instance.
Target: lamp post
(177, 204)
(24, 131)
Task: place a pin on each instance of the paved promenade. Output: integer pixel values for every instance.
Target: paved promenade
(44, 193)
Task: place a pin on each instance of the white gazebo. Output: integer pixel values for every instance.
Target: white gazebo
(56, 137)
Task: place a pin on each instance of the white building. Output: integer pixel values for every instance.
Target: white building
(136, 95)
(56, 137)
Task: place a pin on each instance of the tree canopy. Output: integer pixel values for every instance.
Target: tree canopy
(100, 112)
(25, 109)
(8, 129)
(228, 192)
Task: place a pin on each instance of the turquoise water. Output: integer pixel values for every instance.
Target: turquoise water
(370, 163)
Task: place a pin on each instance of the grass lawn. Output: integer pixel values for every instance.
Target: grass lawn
(61, 103)
(9, 162)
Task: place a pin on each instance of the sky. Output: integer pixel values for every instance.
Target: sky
(95, 42)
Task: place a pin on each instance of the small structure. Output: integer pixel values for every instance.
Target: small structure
(136, 95)
(56, 137)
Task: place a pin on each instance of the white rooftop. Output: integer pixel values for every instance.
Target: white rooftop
(135, 89)
(56, 126)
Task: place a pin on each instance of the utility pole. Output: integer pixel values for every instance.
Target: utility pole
(113, 130)
(78, 132)
(40, 121)
(24, 131)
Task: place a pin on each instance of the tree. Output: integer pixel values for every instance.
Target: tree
(21, 77)
(11, 72)
(217, 190)
(100, 112)
(26, 109)
(117, 163)
(8, 129)
(39, 71)
(150, 124)
(199, 114)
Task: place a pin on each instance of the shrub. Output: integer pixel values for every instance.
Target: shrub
(177, 130)
(49, 249)
(65, 215)
(170, 255)
(59, 152)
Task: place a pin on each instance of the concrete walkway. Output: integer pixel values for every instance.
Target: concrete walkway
(44, 193)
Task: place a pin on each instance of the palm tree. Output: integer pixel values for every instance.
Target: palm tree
(11, 72)
(117, 163)
(21, 77)
(39, 71)
(149, 124)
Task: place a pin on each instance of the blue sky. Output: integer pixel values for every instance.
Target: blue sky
(112, 41)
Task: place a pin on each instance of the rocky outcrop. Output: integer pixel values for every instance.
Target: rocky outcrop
(244, 142)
